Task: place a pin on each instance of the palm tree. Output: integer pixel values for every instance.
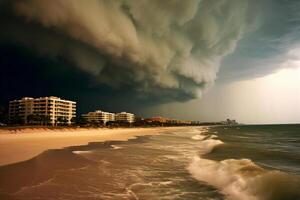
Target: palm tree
(79, 120)
(30, 119)
(45, 119)
(39, 119)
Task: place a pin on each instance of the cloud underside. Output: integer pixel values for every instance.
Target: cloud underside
(168, 50)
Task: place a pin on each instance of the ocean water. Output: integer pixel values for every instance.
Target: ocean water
(238, 163)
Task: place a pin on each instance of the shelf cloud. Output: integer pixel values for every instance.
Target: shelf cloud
(167, 50)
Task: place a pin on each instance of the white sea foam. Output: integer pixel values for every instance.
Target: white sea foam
(116, 147)
(132, 194)
(191, 132)
(198, 137)
(81, 152)
(213, 137)
(244, 180)
(223, 175)
(165, 183)
(151, 184)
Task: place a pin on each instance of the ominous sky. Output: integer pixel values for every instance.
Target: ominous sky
(197, 59)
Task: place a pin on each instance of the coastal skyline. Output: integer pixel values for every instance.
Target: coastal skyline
(208, 62)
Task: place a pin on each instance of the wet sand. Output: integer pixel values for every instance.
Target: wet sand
(16, 146)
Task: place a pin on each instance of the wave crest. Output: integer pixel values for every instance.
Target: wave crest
(198, 137)
(208, 145)
(244, 180)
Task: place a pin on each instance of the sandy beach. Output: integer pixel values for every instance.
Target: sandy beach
(21, 145)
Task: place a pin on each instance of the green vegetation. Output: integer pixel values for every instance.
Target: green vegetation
(80, 121)
(3, 115)
(35, 119)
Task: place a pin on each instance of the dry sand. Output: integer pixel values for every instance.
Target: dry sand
(20, 145)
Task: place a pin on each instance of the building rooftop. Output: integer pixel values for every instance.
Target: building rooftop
(40, 98)
(27, 98)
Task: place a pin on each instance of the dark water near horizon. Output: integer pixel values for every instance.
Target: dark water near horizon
(243, 162)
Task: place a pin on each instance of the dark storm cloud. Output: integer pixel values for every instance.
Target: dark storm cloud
(148, 50)
(275, 44)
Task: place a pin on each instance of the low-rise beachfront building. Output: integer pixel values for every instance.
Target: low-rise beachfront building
(195, 123)
(125, 117)
(167, 121)
(99, 116)
(229, 122)
(158, 119)
(56, 110)
(179, 122)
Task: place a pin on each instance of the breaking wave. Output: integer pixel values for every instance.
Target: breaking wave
(213, 137)
(208, 145)
(242, 179)
(198, 137)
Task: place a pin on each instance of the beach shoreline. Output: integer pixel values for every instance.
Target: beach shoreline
(18, 145)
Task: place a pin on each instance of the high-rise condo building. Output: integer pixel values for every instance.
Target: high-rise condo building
(99, 116)
(57, 110)
(125, 117)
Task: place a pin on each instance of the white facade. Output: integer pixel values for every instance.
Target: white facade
(99, 116)
(125, 117)
(53, 107)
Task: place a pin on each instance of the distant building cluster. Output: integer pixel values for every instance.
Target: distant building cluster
(125, 117)
(169, 121)
(230, 122)
(99, 116)
(164, 120)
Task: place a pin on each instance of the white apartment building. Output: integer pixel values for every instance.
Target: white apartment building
(125, 117)
(52, 106)
(99, 116)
